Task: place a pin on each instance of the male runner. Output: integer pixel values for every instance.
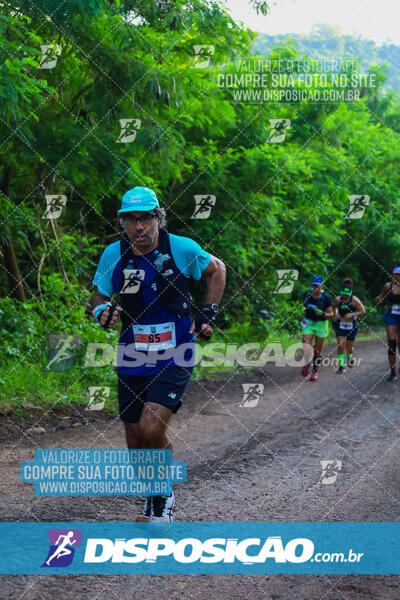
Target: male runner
(391, 318)
(317, 309)
(149, 268)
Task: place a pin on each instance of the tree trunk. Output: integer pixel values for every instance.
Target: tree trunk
(10, 260)
(14, 275)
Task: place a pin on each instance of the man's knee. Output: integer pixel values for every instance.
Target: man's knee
(132, 435)
(151, 434)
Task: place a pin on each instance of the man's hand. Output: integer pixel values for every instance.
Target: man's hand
(105, 315)
(205, 333)
(202, 325)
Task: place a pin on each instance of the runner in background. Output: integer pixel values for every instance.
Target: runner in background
(317, 310)
(347, 309)
(391, 318)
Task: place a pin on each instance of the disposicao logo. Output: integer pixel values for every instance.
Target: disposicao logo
(190, 550)
(62, 547)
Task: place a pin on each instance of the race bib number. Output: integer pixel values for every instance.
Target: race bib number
(154, 337)
(304, 322)
(395, 309)
(346, 325)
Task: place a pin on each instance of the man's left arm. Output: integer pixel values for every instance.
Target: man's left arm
(215, 275)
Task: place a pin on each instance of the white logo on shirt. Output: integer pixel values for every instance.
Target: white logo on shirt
(132, 279)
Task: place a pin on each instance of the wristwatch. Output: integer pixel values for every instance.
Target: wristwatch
(214, 307)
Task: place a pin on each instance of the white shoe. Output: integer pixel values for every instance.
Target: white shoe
(162, 508)
(146, 512)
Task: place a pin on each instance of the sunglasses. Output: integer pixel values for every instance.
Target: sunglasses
(144, 219)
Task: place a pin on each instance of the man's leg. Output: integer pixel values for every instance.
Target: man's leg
(308, 353)
(132, 436)
(163, 399)
(398, 346)
(349, 346)
(392, 331)
(350, 352)
(319, 342)
(153, 426)
(146, 434)
(153, 435)
(340, 353)
(131, 390)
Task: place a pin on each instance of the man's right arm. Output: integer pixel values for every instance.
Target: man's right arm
(103, 281)
(98, 299)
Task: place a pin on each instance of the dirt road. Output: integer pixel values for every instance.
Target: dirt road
(259, 463)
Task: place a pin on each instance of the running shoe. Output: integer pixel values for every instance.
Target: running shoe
(305, 370)
(392, 376)
(341, 370)
(351, 361)
(162, 508)
(314, 376)
(146, 512)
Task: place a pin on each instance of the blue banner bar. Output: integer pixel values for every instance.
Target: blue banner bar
(199, 548)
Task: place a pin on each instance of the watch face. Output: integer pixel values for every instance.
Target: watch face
(214, 307)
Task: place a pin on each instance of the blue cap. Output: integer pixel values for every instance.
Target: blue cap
(317, 280)
(139, 198)
(396, 269)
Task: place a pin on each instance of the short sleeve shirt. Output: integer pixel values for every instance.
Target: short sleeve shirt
(190, 259)
(323, 302)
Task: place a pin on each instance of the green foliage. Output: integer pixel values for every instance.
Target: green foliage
(279, 206)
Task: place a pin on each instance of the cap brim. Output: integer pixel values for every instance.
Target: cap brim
(137, 208)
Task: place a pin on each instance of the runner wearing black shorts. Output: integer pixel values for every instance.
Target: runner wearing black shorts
(149, 268)
(391, 318)
(347, 308)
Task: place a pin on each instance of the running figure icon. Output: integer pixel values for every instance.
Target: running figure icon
(132, 282)
(62, 549)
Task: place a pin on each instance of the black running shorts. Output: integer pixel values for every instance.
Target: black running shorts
(165, 387)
